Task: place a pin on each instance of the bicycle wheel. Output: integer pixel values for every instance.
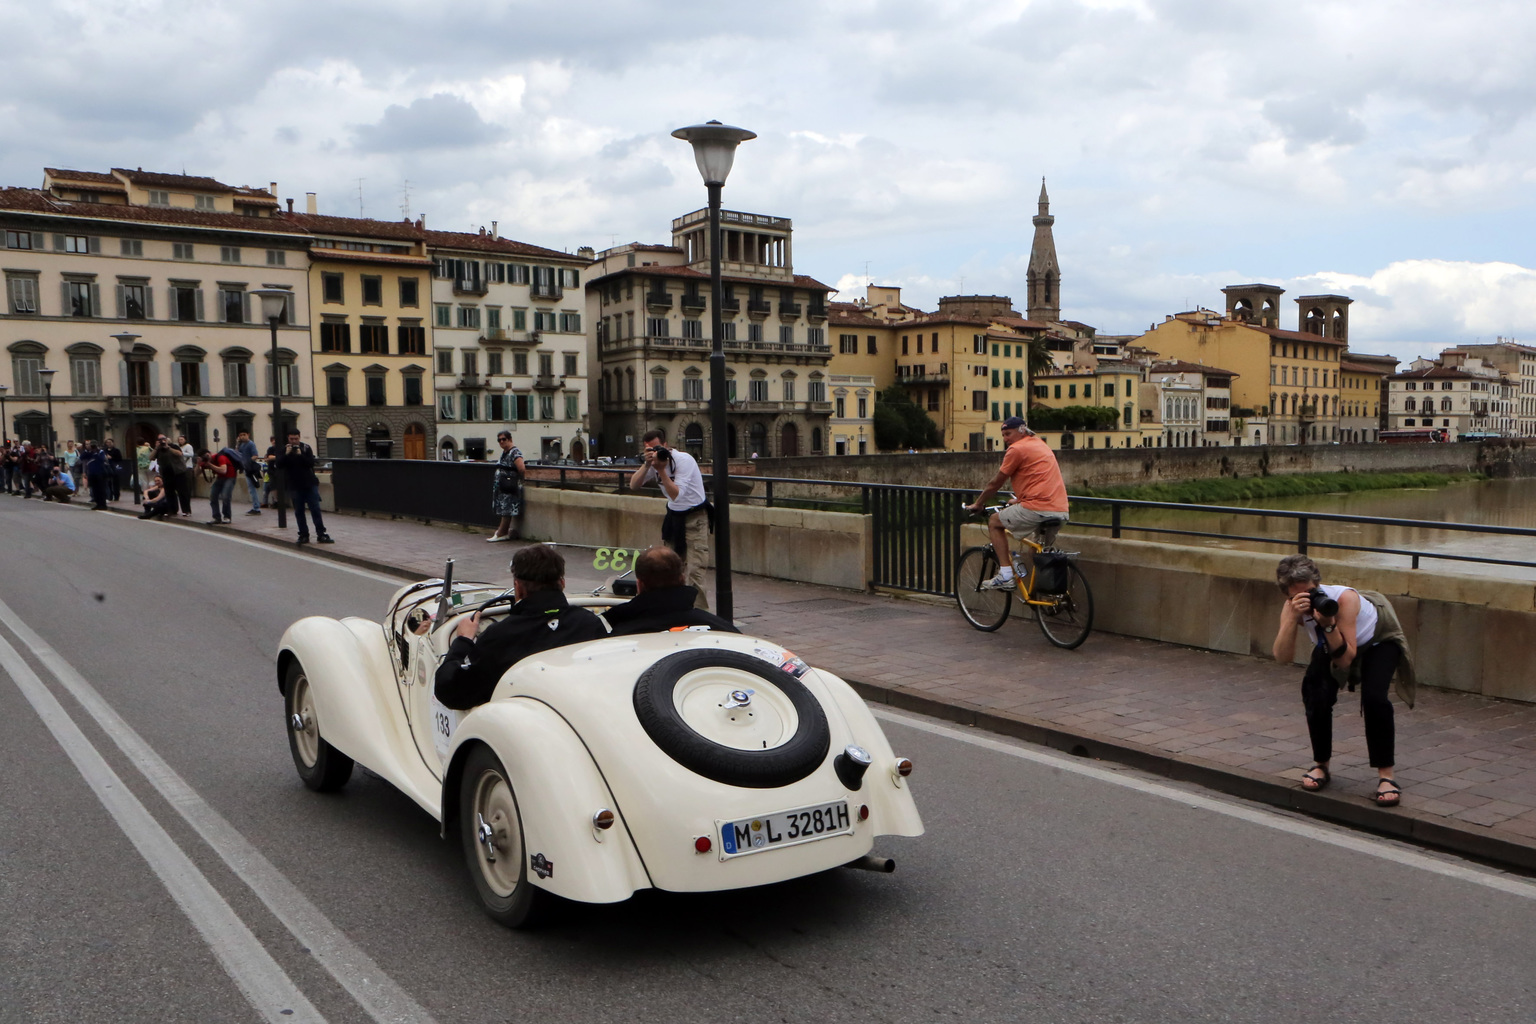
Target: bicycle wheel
(984, 609)
(1069, 619)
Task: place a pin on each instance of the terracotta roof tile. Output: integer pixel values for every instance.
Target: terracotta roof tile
(485, 243)
(94, 177)
(1316, 339)
(173, 180)
(352, 256)
(800, 281)
(357, 227)
(32, 200)
(1180, 366)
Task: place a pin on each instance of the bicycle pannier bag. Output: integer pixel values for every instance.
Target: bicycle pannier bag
(1051, 571)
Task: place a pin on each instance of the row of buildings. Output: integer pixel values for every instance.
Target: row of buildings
(400, 340)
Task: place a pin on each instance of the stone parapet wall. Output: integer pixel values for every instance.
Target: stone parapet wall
(1101, 468)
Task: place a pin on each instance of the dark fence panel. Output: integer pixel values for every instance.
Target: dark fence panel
(916, 534)
(450, 492)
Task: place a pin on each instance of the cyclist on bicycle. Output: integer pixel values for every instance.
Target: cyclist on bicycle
(1039, 503)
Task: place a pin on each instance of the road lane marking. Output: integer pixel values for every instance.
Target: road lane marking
(269, 990)
(367, 983)
(1253, 815)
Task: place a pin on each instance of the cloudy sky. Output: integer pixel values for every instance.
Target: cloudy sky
(1383, 150)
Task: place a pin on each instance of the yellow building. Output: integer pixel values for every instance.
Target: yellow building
(370, 293)
(1290, 377)
(1362, 390)
(1112, 385)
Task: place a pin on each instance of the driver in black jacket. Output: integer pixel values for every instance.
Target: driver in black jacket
(539, 621)
(663, 600)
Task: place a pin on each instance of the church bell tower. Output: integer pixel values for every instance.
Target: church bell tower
(1044, 275)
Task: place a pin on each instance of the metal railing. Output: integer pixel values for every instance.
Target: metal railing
(915, 530)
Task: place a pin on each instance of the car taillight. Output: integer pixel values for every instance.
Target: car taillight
(864, 812)
(702, 844)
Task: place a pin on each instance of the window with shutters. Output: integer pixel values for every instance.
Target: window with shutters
(693, 328)
(520, 363)
(373, 338)
(204, 203)
(493, 364)
(445, 407)
(847, 345)
(471, 406)
(864, 406)
(839, 409)
(19, 240)
(79, 298)
(572, 407)
(186, 302)
(570, 364)
(181, 250)
(693, 389)
(788, 387)
(190, 376)
(570, 323)
(546, 407)
(757, 390)
(493, 318)
(754, 332)
(471, 362)
(546, 284)
(412, 339)
(85, 375)
(469, 316)
(659, 387)
(375, 385)
(25, 372)
(524, 410)
(132, 247)
(133, 300)
(232, 304)
(412, 388)
(816, 337)
(237, 376)
(570, 278)
(335, 336)
(517, 273)
(546, 364)
(74, 243)
(657, 326)
(816, 391)
(21, 292)
(519, 319)
(543, 321)
(373, 290)
(287, 377)
(445, 360)
(786, 334)
(229, 254)
(336, 389)
(277, 258)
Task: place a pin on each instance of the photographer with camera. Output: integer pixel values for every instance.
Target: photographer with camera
(690, 517)
(1355, 639)
(297, 464)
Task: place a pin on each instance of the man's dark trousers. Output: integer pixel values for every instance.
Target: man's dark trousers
(307, 498)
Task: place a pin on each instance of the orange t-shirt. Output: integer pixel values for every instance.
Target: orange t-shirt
(1037, 482)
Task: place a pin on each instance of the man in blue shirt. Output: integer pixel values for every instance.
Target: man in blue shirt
(247, 449)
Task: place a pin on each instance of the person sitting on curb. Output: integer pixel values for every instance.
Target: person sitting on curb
(663, 600)
(541, 620)
(156, 501)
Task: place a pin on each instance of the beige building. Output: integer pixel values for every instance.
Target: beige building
(371, 347)
(1362, 395)
(1518, 365)
(651, 341)
(511, 350)
(172, 258)
(1469, 398)
(853, 413)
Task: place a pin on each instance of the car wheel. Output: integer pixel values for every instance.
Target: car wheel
(491, 832)
(690, 704)
(322, 767)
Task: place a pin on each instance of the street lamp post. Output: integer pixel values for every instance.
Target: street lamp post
(274, 303)
(5, 425)
(125, 343)
(714, 149)
(47, 376)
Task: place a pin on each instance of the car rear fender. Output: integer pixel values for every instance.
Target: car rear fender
(356, 700)
(558, 788)
(891, 806)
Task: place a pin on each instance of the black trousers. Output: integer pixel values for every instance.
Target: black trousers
(178, 487)
(1319, 692)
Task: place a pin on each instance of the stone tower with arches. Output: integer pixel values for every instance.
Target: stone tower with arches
(1044, 275)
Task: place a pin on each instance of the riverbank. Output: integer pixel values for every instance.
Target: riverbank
(1224, 490)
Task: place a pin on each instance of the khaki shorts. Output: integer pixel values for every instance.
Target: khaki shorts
(1021, 521)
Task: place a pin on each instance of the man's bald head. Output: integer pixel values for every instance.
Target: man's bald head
(659, 567)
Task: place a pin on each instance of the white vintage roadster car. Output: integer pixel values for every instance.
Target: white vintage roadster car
(688, 761)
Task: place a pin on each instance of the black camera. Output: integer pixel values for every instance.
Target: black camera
(1322, 604)
(661, 455)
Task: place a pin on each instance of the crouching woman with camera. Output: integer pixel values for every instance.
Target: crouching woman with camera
(1356, 639)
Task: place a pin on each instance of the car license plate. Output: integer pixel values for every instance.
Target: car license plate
(784, 828)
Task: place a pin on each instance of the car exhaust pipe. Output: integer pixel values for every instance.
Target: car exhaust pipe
(870, 862)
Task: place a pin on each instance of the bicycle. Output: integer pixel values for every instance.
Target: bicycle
(1065, 614)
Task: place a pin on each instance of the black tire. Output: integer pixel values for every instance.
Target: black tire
(1068, 621)
(782, 765)
(321, 766)
(984, 609)
(486, 795)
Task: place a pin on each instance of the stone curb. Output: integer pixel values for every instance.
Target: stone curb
(1404, 824)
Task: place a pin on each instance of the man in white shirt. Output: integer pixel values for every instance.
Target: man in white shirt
(690, 517)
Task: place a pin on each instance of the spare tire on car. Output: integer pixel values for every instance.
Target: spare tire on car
(776, 741)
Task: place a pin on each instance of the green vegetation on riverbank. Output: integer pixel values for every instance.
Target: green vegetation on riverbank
(1223, 490)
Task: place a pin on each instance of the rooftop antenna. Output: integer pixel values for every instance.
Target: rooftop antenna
(360, 196)
(405, 199)
(867, 279)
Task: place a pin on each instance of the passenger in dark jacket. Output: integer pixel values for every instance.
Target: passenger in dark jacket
(663, 601)
(540, 621)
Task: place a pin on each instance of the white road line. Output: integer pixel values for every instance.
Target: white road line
(264, 984)
(375, 991)
(1382, 849)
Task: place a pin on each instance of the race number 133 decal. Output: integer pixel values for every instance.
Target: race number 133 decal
(616, 559)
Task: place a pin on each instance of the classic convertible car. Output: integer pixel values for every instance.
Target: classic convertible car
(687, 761)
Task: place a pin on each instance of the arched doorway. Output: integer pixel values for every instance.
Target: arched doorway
(693, 440)
(758, 434)
(377, 443)
(578, 451)
(447, 450)
(789, 440)
(338, 441)
(415, 441)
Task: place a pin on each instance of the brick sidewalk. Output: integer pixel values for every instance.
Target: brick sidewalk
(1466, 763)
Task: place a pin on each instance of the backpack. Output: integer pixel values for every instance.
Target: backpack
(235, 457)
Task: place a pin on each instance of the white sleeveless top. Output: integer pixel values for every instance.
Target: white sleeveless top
(1365, 621)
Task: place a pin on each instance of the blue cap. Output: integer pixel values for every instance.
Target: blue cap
(1014, 423)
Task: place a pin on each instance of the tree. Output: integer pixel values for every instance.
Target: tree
(900, 423)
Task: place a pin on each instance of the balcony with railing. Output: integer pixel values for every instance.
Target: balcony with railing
(471, 286)
(816, 312)
(790, 310)
(730, 304)
(546, 382)
(545, 290)
(757, 309)
(141, 403)
(471, 380)
(694, 302)
(919, 374)
(658, 301)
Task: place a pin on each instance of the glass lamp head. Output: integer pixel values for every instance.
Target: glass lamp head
(274, 301)
(714, 148)
(126, 341)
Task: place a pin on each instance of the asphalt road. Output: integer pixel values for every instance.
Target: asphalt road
(1046, 888)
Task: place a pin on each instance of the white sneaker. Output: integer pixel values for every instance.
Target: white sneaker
(496, 539)
(999, 582)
